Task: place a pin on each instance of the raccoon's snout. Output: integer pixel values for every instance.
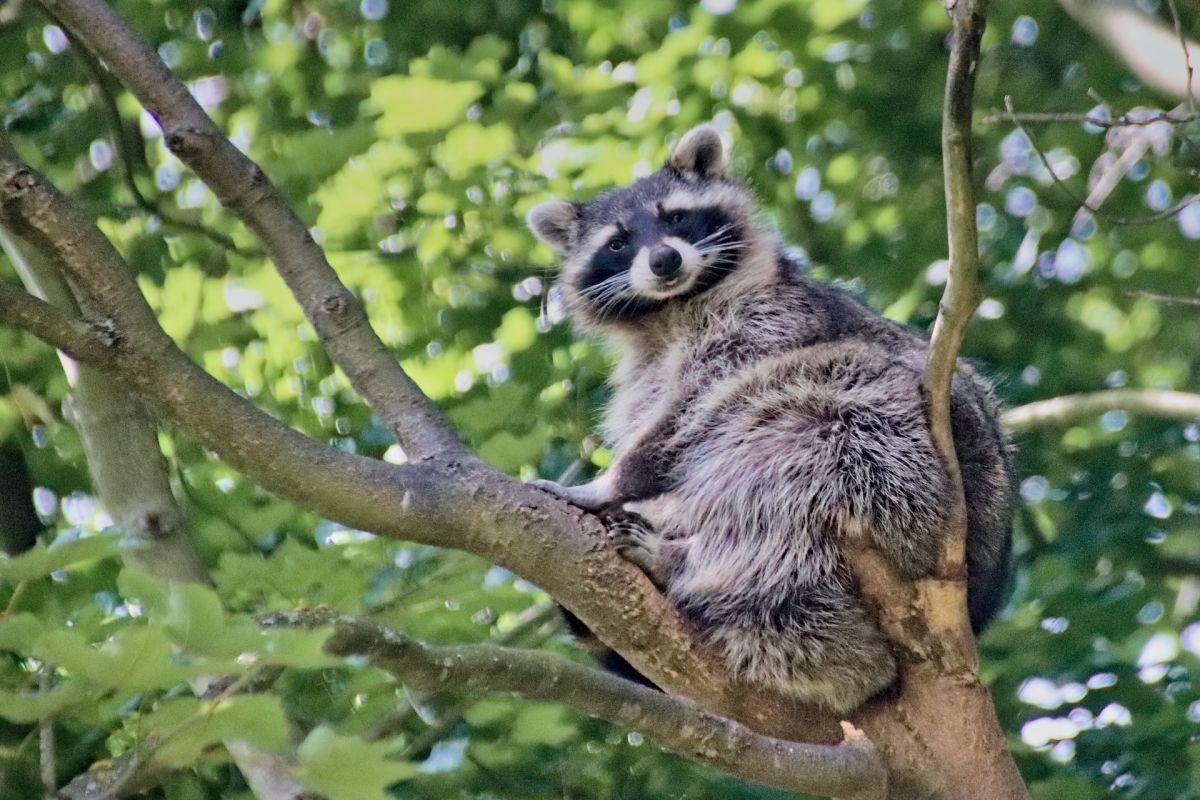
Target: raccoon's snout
(665, 261)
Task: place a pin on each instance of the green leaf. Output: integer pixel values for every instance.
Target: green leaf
(43, 559)
(414, 104)
(179, 302)
(348, 768)
(31, 707)
(543, 723)
(138, 659)
(20, 631)
(472, 145)
(187, 726)
(150, 592)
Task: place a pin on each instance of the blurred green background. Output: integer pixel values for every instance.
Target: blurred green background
(412, 136)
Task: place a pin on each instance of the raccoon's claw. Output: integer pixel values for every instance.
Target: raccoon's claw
(591, 496)
(639, 544)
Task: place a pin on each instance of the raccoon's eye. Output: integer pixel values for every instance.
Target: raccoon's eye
(617, 245)
(675, 217)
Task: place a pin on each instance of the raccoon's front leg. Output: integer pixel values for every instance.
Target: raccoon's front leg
(642, 472)
(591, 496)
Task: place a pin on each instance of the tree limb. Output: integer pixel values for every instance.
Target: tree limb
(240, 185)
(1057, 411)
(332, 482)
(848, 770)
(66, 332)
(962, 755)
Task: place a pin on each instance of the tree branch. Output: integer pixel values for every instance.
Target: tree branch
(1051, 117)
(932, 753)
(1085, 204)
(240, 185)
(331, 482)
(848, 770)
(66, 332)
(1058, 411)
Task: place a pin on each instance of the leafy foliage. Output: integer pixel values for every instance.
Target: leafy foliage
(412, 138)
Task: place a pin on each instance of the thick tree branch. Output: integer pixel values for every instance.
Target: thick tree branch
(848, 770)
(145, 357)
(240, 185)
(1057, 411)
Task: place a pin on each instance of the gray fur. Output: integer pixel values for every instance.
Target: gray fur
(757, 426)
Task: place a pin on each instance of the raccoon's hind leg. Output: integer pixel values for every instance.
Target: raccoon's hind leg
(813, 642)
(874, 472)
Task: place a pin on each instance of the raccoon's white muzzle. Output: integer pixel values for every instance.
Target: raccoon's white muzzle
(644, 277)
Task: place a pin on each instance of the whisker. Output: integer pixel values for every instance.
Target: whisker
(714, 234)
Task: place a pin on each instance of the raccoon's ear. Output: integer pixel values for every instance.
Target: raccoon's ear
(555, 223)
(700, 152)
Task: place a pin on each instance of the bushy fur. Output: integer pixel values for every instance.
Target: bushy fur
(759, 420)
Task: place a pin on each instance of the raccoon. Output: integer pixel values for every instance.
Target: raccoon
(759, 421)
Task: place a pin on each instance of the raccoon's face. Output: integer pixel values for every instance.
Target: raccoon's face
(667, 238)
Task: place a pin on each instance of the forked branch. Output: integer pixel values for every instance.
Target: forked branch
(337, 315)
(851, 770)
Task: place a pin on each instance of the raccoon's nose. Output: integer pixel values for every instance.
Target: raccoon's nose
(665, 261)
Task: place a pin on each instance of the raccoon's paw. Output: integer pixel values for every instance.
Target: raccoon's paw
(591, 496)
(641, 545)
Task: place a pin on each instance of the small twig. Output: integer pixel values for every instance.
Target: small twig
(1081, 201)
(1173, 299)
(1123, 121)
(531, 619)
(46, 759)
(193, 496)
(1187, 53)
(14, 598)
